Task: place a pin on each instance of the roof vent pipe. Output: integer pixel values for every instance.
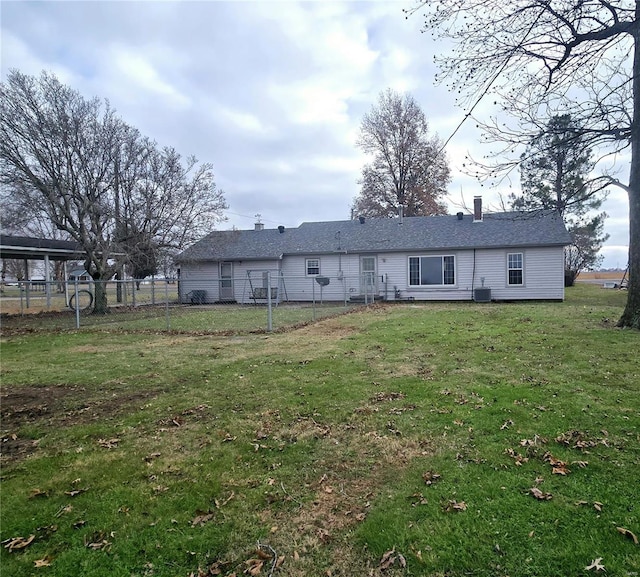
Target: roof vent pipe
(361, 219)
(477, 209)
(460, 215)
(281, 229)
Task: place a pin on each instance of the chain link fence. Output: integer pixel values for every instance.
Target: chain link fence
(196, 305)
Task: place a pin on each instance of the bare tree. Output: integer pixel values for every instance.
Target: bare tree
(409, 168)
(96, 178)
(537, 58)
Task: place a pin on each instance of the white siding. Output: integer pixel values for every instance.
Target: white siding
(199, 276)
(543, 276)
(543, 273)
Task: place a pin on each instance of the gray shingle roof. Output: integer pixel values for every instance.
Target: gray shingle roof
(507, 229)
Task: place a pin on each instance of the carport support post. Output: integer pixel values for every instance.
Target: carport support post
(269, 309)
(66, 284)
(27, 282)
(47, 280)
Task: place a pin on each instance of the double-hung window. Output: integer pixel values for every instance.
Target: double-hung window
(515, 269)
(432, 270)
(312, 266)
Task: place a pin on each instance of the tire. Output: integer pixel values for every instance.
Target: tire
(85, 300)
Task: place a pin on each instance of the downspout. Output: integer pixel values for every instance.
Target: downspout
(473, 274)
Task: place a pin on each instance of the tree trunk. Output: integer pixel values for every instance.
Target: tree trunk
(631, 315)
(100, 306)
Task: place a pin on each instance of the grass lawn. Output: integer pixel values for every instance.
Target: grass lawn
(414, 439)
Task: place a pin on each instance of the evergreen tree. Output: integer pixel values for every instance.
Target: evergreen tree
(555, 175)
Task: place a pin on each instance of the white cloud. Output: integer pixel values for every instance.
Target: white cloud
(271, 93)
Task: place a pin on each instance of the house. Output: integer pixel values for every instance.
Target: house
(498, 256)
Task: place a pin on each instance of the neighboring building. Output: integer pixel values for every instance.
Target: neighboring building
(80, 274)
(507, 256)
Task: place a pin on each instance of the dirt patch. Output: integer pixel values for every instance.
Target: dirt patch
(55, 406)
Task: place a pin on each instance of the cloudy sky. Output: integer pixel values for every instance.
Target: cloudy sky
(270, 92)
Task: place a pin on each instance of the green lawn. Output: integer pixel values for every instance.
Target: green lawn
(415, 439)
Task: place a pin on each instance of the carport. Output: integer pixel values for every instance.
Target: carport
(28, 248)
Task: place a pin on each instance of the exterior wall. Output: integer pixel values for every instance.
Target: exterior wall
(341, 269)
(543, 276)
(543, 273)
(246, 276)
(199, 276)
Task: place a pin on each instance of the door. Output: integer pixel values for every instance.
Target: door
(226, 281)
(368, 277)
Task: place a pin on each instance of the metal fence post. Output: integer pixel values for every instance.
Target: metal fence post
(269, 308)
(166, 303)
(313, 297)
(77, 302)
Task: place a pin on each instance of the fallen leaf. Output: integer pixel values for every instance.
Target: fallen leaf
(538, 494)
(254, 567)
(44, 562)
(108, 443)
(38, 493)
(453, 505)
(17, 543)
(519, 459)
(388, 559)
(627, 533)
(75, 492)
(598, 506)
(560, 470)
(201, 518)
(96, 541)
(418, 499)
(506, 425)
(430, 477)
(596, 564)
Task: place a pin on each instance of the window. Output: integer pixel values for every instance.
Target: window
(432, 270)
(313, 266)
(515, 271)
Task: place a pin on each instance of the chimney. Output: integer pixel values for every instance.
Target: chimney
(259, 226)
(281, 229)
(460, 215)
(477, 209)
(401, 213)
(361, 219)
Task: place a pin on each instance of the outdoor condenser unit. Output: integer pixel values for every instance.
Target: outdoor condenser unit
(482, 295)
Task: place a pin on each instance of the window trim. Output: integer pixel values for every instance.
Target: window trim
(515, 269)
(307, 262)
(442, 284)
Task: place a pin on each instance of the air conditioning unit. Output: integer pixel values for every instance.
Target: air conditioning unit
(482, 295)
